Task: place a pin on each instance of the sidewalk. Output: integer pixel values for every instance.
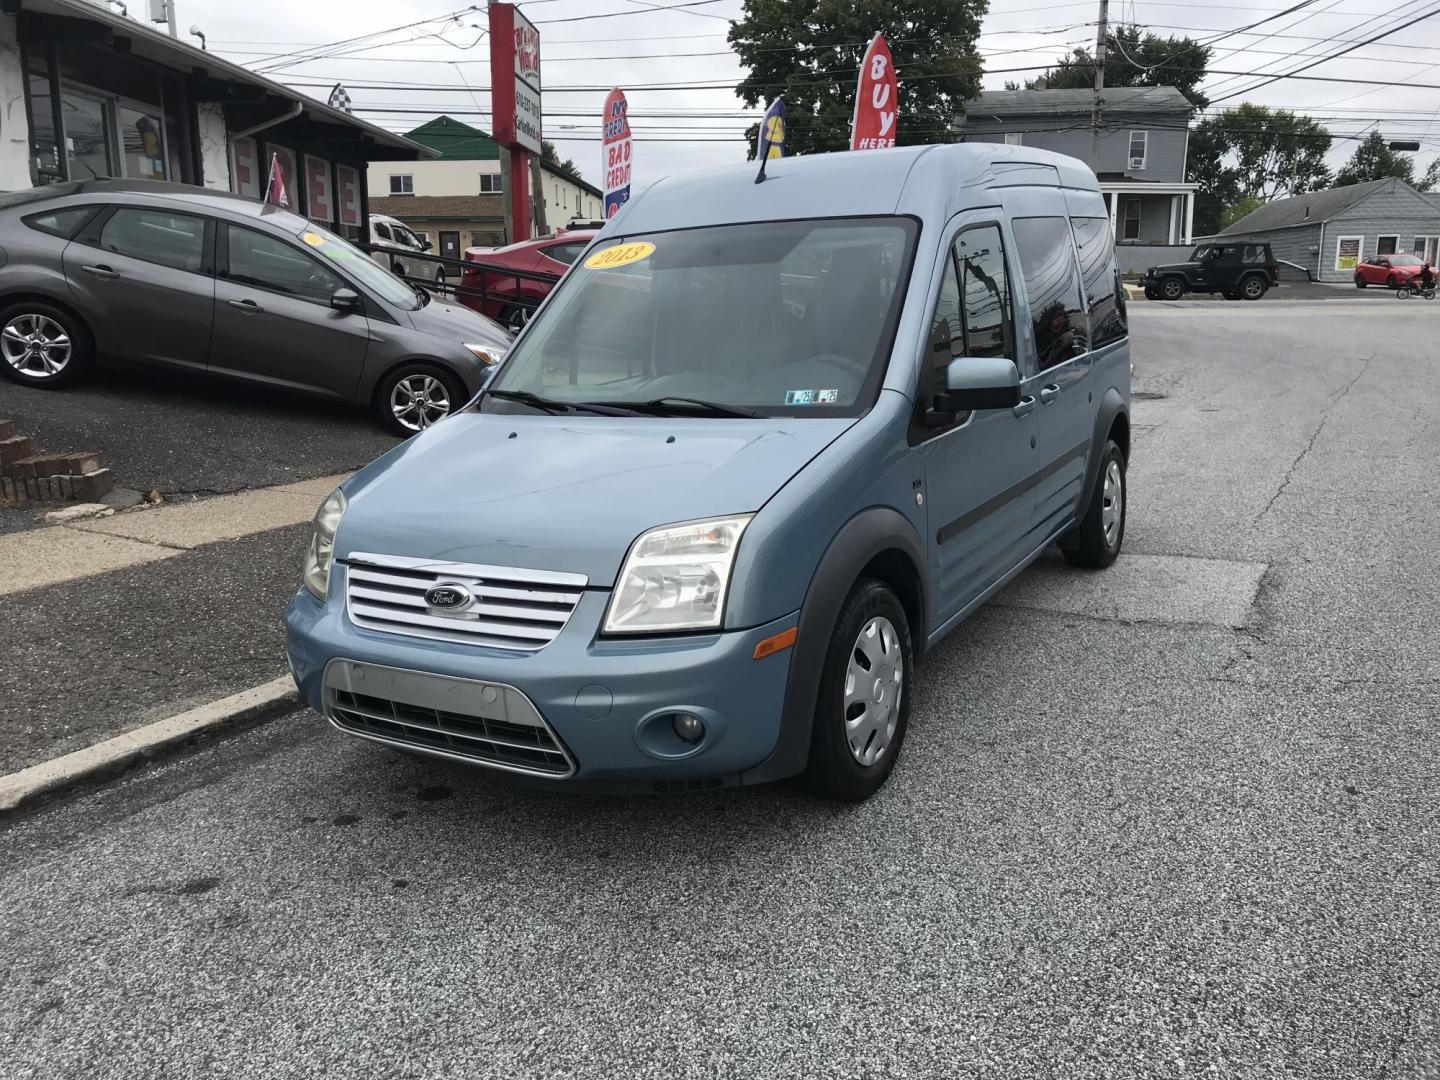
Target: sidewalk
(113, 623)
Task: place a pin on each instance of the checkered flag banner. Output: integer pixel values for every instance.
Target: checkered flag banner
(339, 99)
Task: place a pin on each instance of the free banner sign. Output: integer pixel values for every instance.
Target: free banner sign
(615, 149)
(876, 99)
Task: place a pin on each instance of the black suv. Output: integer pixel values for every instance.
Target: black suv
(1240, 271)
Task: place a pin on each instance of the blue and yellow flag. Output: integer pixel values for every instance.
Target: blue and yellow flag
(771, 142)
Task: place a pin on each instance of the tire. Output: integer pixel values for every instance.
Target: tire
(398, 397)
(515, 316)
(1360, 282)
(871, 636)
(1172, 288)
(1096, 541)
(42, 345)
(1390, 282)
(1402, 293)
(1254, 287)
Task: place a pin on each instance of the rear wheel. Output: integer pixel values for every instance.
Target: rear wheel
(1403, 292)
(416, 396)
(42, 345)
(515, 316)
(1254, 287)
(1172, 288)
(863, 707)
(1096, 541)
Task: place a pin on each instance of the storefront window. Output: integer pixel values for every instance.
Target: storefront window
(142, 143)
(87, 134)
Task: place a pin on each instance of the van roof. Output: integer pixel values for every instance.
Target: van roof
(931, 182)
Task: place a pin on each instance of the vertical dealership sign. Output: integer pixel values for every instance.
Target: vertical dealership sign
(876, 99)
(615, 150)
(515, 103)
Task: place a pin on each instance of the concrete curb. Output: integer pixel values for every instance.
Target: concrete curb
(114, 756)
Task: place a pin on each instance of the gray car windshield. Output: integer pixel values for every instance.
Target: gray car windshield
(360, 266)
(788, 318)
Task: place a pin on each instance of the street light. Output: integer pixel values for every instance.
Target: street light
(195, 31)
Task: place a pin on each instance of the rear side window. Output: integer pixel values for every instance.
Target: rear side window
(157, 236)
(1097, 273)
(66, 222)
(1047, 264)
(1252, 254)
(566, 253)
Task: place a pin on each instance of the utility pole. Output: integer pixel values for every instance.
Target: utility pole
(1102, 33)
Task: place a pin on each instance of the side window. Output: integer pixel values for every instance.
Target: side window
(382, 230)
(269, 263)
(1097, 274)
(157, 236)
(985, 291)
(565, 253)
(64, 223)
(1047, 264)
(1252, 254)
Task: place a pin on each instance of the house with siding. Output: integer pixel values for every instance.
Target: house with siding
(1330, 232)
(1144, 135)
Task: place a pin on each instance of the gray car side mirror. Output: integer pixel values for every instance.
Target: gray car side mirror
(980, 382)
(345, 300)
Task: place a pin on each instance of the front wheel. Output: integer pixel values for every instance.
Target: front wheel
(1172, 288)
(416, 396)
(863, 707)
(1096, 541)
(1360, 281)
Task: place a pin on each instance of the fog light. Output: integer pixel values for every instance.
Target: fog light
(688, 727)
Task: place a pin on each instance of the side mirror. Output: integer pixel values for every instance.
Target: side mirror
(425, 244)
(980, 382)
(345, 300)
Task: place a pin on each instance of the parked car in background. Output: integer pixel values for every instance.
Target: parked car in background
(399, 247)
(1238, 271)
(752, 460)
(1392, 271)
(512, 300)
(204, 281)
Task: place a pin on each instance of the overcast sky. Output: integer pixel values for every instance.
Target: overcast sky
(441, 65)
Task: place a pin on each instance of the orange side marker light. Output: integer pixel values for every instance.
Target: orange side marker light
(778, 643)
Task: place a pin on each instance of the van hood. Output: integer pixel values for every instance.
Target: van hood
(567, 493)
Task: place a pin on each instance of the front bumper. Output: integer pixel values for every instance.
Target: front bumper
(606, 700)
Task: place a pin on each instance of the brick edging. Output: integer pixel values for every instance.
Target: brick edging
(28, 477)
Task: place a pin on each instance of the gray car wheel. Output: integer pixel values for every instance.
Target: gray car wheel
(418, 396)
(40, 344)
(1172, 288)
(1253, 287)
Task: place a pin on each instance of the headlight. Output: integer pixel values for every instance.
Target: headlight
(488, 354)
(675, 578)
(321, 554)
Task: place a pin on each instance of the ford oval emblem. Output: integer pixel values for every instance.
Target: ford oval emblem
(448, 597)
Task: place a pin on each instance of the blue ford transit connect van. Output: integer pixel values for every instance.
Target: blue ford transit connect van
(761, 449)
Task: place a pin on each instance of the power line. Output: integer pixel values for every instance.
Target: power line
(621, 14)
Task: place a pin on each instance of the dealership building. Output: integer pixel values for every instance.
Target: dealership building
(87, 92)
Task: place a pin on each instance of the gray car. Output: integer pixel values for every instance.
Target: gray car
(205, 281)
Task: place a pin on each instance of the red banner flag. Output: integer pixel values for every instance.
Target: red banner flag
(876, 99)
(275, 186)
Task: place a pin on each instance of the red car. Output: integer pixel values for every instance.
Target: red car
(1388, 270)
(511, 300)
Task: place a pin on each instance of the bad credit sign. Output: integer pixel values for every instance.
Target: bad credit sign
(615, 150)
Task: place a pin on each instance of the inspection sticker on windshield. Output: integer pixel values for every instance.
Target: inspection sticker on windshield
(799, 397)
(620, 255)
(827, 397)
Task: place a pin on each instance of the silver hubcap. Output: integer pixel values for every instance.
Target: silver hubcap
(1172, 290)
(874, 682)
(1252, 288)
(35, 345)
(1112, 506)
(518, 318)
(419, 401)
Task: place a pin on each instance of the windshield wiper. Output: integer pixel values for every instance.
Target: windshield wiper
(681, 406)
(550, 405)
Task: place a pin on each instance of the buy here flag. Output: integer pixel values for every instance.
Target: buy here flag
(876, 99)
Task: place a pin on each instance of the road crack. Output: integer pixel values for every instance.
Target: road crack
(1314, 437)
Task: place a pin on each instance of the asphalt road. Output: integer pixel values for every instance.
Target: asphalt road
(1111, 848)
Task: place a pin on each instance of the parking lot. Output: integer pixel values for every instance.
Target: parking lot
(1174, 818)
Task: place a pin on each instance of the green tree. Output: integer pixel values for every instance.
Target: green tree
(1136, 57)
(811, 52)
(1255, 152)
(1374, 160)
(1431, 180)
(1247, 205)
(551, 156)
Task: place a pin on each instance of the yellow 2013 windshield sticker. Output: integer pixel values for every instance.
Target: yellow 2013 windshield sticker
(620, 255)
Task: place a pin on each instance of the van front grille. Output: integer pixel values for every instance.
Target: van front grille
(508, 608)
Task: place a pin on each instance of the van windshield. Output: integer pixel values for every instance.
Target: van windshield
(789, 318)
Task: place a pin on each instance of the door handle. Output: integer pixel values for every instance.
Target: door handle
(1027, 403)
(101, 271)
(250, 307)
(1049, 393)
